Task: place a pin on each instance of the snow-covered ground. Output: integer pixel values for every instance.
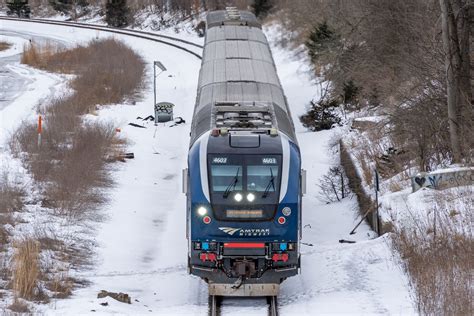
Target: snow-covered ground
(141, 243)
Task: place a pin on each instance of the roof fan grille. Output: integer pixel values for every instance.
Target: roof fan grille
(233, 13)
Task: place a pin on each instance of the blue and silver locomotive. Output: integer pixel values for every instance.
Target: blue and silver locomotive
(244, 181)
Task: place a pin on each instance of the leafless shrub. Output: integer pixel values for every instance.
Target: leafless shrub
(366, 172)
(393, 51)
(73, 190)
(11, 200)
(4, 46)
(26, 270)
(38, 55)
(355, 183)
(19, 306)
(107, 71)
(419, 127)
(334, 185)
(22, 140)
(38, 159)
(394, 186)
(61, 286)
(438, 258)
(116, 76)
(11, 193)
(71, 159)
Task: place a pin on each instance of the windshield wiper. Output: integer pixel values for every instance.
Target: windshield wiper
(232, 185)
(270, 184)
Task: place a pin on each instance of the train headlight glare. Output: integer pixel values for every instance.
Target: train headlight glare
(238, 197)
(250, 197)
(202, 211)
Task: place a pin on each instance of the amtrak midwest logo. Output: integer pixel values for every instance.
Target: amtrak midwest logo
(246, 231)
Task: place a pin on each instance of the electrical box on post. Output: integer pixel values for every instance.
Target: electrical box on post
(163, 112)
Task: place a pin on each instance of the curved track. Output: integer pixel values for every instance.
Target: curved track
(192, 48)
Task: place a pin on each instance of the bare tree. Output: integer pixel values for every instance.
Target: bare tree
(456, 31)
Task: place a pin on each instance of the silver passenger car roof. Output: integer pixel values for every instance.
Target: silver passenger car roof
(237, 66)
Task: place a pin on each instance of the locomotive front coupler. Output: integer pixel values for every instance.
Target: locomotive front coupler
(243, 268)
(237, 284)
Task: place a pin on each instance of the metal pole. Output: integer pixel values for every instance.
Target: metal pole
(342, 184)
(154, 84)
(376, 220)
(162, 68)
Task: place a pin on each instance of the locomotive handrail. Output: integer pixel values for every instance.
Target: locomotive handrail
(133, 33)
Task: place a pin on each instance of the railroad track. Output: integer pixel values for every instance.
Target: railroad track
(215, 305)
(191, 48)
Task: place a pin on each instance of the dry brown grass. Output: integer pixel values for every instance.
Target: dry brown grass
(366, 172)
(66, 152)
(438, 254)
(395, 186)
(74, 190)
(61, 286)
(11, 200)
(4, 46)
(106, 72)
(11, 194)
(18, 306)
(38, 55)
(71, 161)
(355, 184)
(26, 269)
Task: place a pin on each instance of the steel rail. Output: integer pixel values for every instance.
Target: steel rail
(133, 33)
(272, 306)
(214, 305)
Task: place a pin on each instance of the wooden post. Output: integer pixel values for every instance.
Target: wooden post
(342, 184)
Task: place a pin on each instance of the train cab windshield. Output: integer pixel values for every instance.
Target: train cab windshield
(244, 187)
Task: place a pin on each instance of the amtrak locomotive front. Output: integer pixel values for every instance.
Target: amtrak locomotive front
(244, 181)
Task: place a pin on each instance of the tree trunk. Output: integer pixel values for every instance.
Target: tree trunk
(453, 66)
(466, 112)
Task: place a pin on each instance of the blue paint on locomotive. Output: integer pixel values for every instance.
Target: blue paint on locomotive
(196, 191)
(263, 230)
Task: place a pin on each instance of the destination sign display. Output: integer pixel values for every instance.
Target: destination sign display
(244, 213)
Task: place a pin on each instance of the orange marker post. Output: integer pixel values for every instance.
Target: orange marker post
(40, 130)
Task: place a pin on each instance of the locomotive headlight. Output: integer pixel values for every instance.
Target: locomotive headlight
(238, 197)
(202, 211)
(250, 197)
(286, 211)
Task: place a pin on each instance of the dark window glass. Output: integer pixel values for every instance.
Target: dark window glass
(225, 176)
(259, 178)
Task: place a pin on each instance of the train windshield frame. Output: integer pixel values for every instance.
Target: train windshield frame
(244, 187)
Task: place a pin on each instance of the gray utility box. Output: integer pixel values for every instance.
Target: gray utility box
(163, 112)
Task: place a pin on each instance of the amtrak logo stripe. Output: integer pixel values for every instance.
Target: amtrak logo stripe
(229, 230)
(247, 232)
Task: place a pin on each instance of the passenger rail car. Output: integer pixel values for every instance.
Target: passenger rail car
(244, 181)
